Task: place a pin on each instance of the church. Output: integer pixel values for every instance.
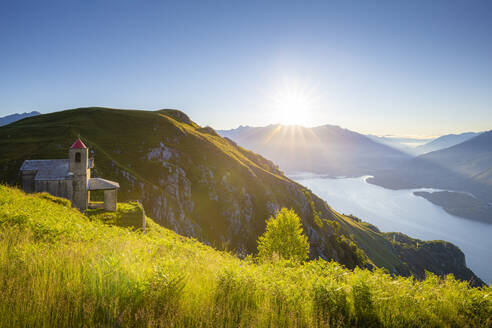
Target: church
(69, 178)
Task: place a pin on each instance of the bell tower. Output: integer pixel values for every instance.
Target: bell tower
(78, 165)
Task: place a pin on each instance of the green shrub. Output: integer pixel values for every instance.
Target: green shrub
(283, 238)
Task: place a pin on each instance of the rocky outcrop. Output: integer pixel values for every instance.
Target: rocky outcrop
(439, 257)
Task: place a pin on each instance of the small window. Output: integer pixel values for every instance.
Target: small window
(77, 157)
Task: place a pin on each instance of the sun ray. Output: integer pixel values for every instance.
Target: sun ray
(292, 102)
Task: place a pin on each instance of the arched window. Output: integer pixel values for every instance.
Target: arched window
(77, 157)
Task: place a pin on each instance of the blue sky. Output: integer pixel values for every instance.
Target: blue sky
(393, 67)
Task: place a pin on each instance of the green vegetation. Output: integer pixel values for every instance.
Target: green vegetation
(283, 238)
(316, 214)
(60, 268)
(126, 215)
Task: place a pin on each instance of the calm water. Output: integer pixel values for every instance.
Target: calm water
(400, 210)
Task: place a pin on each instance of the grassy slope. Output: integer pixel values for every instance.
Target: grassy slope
(61, 268)
(120, 141)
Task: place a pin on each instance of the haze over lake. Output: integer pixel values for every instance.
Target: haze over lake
(400, 210)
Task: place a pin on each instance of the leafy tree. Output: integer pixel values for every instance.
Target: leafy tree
(284, 238)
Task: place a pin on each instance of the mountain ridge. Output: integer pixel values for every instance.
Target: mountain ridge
(16, 117)
(445, 141)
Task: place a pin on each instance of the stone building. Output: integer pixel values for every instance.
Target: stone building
(68, 178)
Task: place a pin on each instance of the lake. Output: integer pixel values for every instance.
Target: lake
(401, 210)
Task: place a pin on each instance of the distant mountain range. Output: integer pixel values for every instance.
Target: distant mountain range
(463, 167)
(15, 117)
(326, 149)
(443, 142)
(417, 146)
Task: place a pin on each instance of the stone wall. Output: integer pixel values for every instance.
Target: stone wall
(59, 188)
(110, 200)
(28, 180)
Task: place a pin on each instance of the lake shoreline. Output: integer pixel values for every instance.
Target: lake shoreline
(459, 204)
(402, 211)
(471, 207)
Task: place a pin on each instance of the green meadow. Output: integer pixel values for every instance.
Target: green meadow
(59, 267)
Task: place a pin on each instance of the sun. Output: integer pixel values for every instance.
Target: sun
(292, 103)
(291, 108)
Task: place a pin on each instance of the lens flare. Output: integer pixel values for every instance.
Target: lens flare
(292, 103)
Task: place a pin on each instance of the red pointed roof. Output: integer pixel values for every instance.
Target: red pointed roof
(78, 144)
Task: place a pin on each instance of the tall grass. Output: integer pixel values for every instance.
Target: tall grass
(59, 268)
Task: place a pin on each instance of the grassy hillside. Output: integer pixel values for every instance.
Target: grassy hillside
(59, 267)
(199, 184)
